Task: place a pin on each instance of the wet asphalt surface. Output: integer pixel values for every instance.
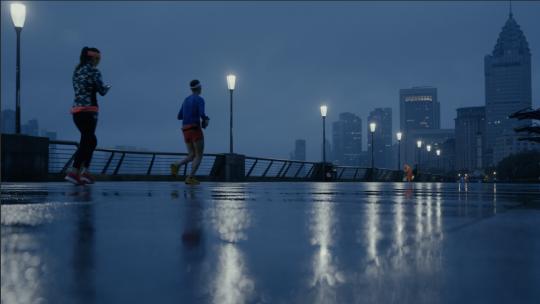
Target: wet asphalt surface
(165, 242)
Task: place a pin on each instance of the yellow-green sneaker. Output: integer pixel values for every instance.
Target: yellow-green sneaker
(191, 181)
(174, 169)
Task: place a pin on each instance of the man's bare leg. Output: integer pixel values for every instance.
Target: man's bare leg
(191, 155)
(198, 149)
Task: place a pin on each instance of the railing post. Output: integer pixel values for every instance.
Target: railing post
(355, 173)
(287, 170)
(64, 169)
(282, 168)
(151, 164)
(119, 163)
(104, 171)
(268, 168)
(342, 171)
(252, 167)
(298, 171)
(310, 170)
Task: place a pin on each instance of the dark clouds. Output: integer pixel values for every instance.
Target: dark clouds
(289, 58)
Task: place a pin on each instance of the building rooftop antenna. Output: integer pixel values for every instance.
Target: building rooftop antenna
(511, 8)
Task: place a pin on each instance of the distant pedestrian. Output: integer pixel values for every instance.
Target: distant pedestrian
(193, 119)
(87, 83)
(409, 176)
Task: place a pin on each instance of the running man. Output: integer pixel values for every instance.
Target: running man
(87, 83)
(193, 118)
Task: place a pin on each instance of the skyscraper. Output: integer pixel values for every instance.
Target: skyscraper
(419, 109)
(470, 133)
(347, 139)
(507, 73)
(382, 137)
(299, 150)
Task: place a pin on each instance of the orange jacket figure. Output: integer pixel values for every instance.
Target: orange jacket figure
(408, 173)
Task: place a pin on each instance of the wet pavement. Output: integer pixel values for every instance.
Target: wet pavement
(161, 242)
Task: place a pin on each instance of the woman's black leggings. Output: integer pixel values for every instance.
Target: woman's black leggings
(86, 123)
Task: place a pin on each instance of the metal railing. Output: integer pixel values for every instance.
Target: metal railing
(269, 168)
(151, 165)
(123, 162)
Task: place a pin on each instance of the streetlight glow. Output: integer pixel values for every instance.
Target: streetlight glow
(438, 152)
(324, 109)
(419, 144)
(372, 127)
(231, 81)
(398, 136)
(428, 148)
(18, 14)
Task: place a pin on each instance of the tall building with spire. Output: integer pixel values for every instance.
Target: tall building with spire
(508, 89)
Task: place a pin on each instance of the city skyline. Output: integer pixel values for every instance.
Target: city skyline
(339, 92)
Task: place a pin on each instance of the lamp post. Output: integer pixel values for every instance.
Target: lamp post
(428, 158)
(419, 146)
(372, 127)
(324, 110)
(231, 83)
(18, 16)
(438, 152)
(398, 136)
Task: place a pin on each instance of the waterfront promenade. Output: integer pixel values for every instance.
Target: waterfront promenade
(303, 242)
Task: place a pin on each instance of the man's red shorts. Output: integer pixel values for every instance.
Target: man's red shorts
(192, 133)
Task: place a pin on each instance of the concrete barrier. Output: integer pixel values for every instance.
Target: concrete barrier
(229, 167)
(24, 158)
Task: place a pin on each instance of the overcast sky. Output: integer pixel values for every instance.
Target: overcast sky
(289, 58)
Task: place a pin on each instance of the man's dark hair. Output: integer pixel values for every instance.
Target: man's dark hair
(195, 85)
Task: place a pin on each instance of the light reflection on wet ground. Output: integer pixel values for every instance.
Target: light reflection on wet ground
(270, 243)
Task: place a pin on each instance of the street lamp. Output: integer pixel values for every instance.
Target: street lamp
(419, 146)
(428, 158)
(372, 127)
(324, 110)
(231, 83)
(398, 136)
(438, 152)
(18, 15)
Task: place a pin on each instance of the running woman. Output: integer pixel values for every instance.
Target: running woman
(193, 118)
(87, 83)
